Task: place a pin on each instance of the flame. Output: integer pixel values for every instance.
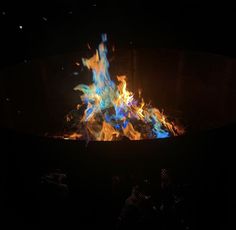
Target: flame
(110, 111)
(140, 111)
(124, 96)
(107, 133)
(131, 133)
(73, 136)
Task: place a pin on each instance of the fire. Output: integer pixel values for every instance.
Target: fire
(109, 111)
(73, 136)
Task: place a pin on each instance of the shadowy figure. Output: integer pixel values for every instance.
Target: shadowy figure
(139, 210)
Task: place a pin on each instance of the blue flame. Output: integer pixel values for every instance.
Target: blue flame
(125, 124)
(117, 126)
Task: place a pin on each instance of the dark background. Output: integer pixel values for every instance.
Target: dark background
(192, 45)
(70, 26)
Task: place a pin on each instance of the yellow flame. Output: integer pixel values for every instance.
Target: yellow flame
(139, 110)
(125, 96)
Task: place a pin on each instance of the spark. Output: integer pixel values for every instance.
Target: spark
(89, 47)
(76, 73)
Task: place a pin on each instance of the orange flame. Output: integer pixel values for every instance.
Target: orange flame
(131, 133)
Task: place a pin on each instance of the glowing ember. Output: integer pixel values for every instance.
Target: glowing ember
(109, 112)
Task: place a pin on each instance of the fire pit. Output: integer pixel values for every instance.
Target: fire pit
(193, 89)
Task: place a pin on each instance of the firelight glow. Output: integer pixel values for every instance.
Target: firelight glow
(110, 112)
